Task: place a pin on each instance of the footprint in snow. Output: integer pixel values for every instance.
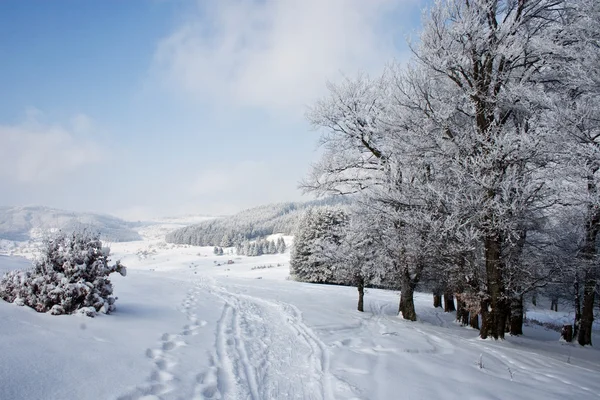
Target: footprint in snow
(169, 342)
(207, 385)
(192, 329)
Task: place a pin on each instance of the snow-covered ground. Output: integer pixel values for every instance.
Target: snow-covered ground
(189, 328)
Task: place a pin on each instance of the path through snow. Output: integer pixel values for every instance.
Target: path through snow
(262, 350)
(232, 336)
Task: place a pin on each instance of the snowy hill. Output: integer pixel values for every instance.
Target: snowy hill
(25, 223)
(249, 224)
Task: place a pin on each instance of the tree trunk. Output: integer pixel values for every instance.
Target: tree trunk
(567, 333)
(577, 322)
(407, 303)
(437, 300)
(589, 252)
(554, 304)
(361, 295)
(462, 314)
(587, 314)
(494, 319)
(485, 319)
(474, 320)
(507, 319)
(449, 302)
(516, 316)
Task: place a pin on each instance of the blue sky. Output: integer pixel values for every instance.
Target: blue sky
(156, 108)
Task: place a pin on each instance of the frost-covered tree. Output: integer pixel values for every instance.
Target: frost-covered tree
(226, 241)
(575, 83)
(379, 147)
(488, 55)
(281, 247)
(71, 274)
(318, 231)
(452, 150)
(260, 247)
(359, 259)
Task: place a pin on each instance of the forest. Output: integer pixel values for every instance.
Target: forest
(474, 166)
(246, 226)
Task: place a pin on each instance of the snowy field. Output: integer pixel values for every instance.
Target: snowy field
(188, 328)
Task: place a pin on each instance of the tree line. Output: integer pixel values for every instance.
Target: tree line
(475, 166)
(260, 247)
(248, 225)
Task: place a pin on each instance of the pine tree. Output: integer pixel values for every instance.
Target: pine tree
(272, 248)
(281, 247)
(318, 231)
(253, 251)
(226, 241)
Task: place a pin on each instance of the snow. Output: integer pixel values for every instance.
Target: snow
(187, 328)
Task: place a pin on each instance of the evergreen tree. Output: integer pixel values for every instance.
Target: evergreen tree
(281, 247)
(360, 258)
(318, 231)
(226, 241)
(252, 251)
(272, 248)
(260, 247)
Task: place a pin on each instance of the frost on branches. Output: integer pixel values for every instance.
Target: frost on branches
(472, 153)
(71, 275)
(319, 229)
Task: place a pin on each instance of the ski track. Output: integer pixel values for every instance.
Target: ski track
(265, 351)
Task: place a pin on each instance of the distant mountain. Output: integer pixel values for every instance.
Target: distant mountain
(249, 224)
(25, 223)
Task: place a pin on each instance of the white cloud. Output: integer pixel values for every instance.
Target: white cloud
(81, 124)
(274, 54)
(136, 213)
(230, 178)
(33, 152)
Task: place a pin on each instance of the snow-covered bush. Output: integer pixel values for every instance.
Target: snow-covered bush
(71, 275)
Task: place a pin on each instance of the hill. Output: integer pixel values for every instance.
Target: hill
(248, 224)
(25, 223)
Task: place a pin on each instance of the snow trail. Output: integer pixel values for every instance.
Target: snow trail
(264, 350)
(163, 380)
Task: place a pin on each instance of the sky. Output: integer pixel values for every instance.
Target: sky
(153, 108)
